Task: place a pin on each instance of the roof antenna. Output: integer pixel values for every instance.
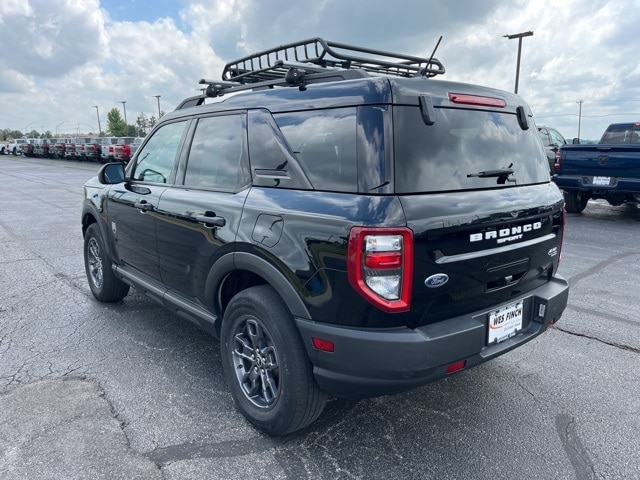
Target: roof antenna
(424, 70)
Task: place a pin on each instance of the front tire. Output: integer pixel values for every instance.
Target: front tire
(266, 365)
(575, 201)
(104, 285)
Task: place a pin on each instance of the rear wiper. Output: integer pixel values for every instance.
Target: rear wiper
(503, 174)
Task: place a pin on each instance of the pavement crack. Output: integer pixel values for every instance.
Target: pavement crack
(590, 337)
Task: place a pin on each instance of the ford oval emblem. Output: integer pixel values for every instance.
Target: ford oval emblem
(436, 280)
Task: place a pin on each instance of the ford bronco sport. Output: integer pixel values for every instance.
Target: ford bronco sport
(345, 224)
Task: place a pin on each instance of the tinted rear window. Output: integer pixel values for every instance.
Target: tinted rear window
(324, 142)
(440, 157)
(623, 133)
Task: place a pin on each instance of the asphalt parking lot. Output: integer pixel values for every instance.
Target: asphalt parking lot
(129, 390)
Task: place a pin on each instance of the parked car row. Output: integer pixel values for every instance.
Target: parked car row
(12, 146)
(97, 149)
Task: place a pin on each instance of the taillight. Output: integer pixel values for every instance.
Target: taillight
(558, 164)
(380, 266)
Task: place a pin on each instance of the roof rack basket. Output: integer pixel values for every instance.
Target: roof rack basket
(274, 64)
(312, 61)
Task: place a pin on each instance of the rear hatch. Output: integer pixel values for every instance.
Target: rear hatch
(487, 222)
(597, 160)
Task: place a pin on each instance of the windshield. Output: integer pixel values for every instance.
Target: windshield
(465, 150)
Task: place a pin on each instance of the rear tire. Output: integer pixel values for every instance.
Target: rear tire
(104, 285)
(266, 364)
(575, 202)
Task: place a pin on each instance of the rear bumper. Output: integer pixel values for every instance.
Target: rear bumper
(585, 183)
(369, 363)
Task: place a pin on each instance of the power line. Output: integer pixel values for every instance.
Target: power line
(587, 116)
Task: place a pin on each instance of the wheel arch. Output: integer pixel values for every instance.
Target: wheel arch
(91, 215)
(237, 271)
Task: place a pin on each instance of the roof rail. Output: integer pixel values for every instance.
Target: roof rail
(312, 61)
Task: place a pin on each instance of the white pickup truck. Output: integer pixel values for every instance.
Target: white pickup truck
(12, 146)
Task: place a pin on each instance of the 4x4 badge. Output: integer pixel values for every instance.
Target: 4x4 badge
(436, 280)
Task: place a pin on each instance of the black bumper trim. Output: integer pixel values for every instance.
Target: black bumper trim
(374, 362)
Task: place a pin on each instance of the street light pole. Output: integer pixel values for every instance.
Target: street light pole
(99, 127)
(579, 102)
(158, 98)
(519, 37)
(124, 107)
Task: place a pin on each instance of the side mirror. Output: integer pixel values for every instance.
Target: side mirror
(576, 141)
(111, 173)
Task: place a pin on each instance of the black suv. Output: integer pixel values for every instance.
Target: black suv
(343, 223)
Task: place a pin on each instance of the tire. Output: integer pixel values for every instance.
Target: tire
(575, 202)
(104, 285)
(266, 364)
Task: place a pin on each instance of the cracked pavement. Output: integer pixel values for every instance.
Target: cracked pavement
(129, 390)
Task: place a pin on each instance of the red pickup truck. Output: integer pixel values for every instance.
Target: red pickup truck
(125, 148)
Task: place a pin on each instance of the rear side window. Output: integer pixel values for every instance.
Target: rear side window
(217, 158)
(451, 154)
(324, 142)
(556, 138)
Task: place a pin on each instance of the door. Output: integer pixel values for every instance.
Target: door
(132, 206)
(198, 220)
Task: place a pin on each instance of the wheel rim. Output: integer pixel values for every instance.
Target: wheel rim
(255, 362)
(95, 262)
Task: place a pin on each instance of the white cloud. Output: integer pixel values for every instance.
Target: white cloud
(61, 57)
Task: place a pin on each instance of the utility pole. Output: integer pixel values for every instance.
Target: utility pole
(158, 98)
(98, 115)
(579, 102)
(519, 36)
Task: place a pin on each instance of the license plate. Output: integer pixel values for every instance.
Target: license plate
(601, 180)
(505, 322)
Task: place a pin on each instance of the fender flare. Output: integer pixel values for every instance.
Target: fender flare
(274, 277)
(90, 209)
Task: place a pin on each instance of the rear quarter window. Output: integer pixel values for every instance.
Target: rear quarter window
(324, 142)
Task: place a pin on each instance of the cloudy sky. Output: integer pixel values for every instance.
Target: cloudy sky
(59, 58)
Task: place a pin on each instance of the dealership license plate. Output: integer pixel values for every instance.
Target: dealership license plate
(505, 322)
(602, 181)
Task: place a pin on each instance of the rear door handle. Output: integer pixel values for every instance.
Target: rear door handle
(211, 220)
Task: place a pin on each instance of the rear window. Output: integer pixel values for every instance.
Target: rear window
(451, 154)
(624, 133)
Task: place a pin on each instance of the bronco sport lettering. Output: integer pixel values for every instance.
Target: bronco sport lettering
(505, 234)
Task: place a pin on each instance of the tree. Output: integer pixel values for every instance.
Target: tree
(115, 124)
(11, 134)
(141, 122)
